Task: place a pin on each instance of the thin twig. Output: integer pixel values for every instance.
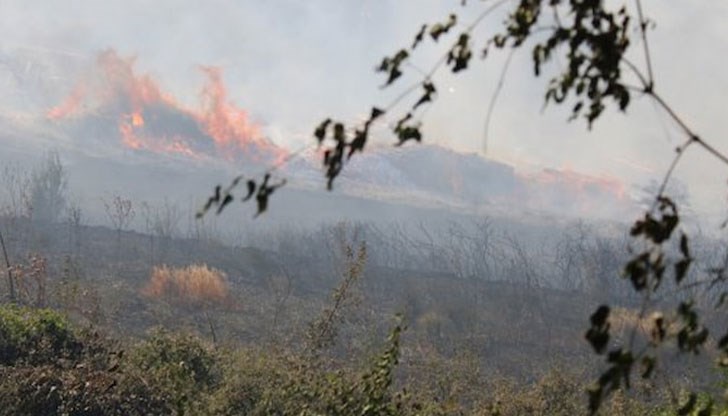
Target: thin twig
(485, 14)
(688, 131)
(666, 178)
(643, 30)
(409, 90)
(645, 82)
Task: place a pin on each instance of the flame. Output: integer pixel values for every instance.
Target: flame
(137, 120)
(581, 183)
(150, 119)
(586, 193)
(229, 126)
(70, 105)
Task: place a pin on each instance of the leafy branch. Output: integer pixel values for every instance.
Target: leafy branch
(593, 40)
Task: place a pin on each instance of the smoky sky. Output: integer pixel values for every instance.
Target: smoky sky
(292, 63)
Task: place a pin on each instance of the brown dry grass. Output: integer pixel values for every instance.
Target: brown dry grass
(194, 285)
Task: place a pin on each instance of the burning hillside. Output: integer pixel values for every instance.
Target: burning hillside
(115, 100)
(110, 105)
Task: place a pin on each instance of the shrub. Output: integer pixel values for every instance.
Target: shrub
(195, 285)
(49, 368)
(181, 367)
(36, 337)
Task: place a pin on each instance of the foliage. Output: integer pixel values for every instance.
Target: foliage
(368, 393)
(77, 296)
(322, 331)
(47, 367)
(172, 373)
(590, 39)
(182, 367)
(30, 279)
(36, 337)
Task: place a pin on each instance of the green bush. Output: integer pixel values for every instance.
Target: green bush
(181, 367)
(36, 337)
(49, 368)
(82, 390)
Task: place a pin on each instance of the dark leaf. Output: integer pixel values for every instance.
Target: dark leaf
(637, 271)
(440, 29)
(339, 132)
(376, 113)
(460, 54)
(213, 200)
(264, 192)
(320, 131)
(391, 65)
(427, 96)
(598, 334)
(681, 269)
(226, 200)
(599, 317)
(393, 75)
(419, 36)
(401, 122)
(658, 330)
(723, 342)
(357, 145)
(684, 249)
(251, 189)
(262, 199)
(688, 407)
(648, 366)
(409, 133)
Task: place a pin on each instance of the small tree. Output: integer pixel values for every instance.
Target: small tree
(74, 219)
(161, 221)
(16, 189)
(322, 332)
(31, 279)
(48, 189)
(120, 212)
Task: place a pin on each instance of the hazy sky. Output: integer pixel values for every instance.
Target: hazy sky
(291, 63)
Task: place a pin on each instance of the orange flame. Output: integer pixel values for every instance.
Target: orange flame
(587, 194)
(70, 105)
(227, 125)
(137, 120)
(150, 119)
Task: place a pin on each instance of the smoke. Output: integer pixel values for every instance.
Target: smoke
(294, 63)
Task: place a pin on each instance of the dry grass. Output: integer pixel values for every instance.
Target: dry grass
(194, 285)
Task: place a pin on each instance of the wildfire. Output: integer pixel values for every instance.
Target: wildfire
(137, 120)
(589, 194)
(149, 119)
(70, 105)
(581, 183)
